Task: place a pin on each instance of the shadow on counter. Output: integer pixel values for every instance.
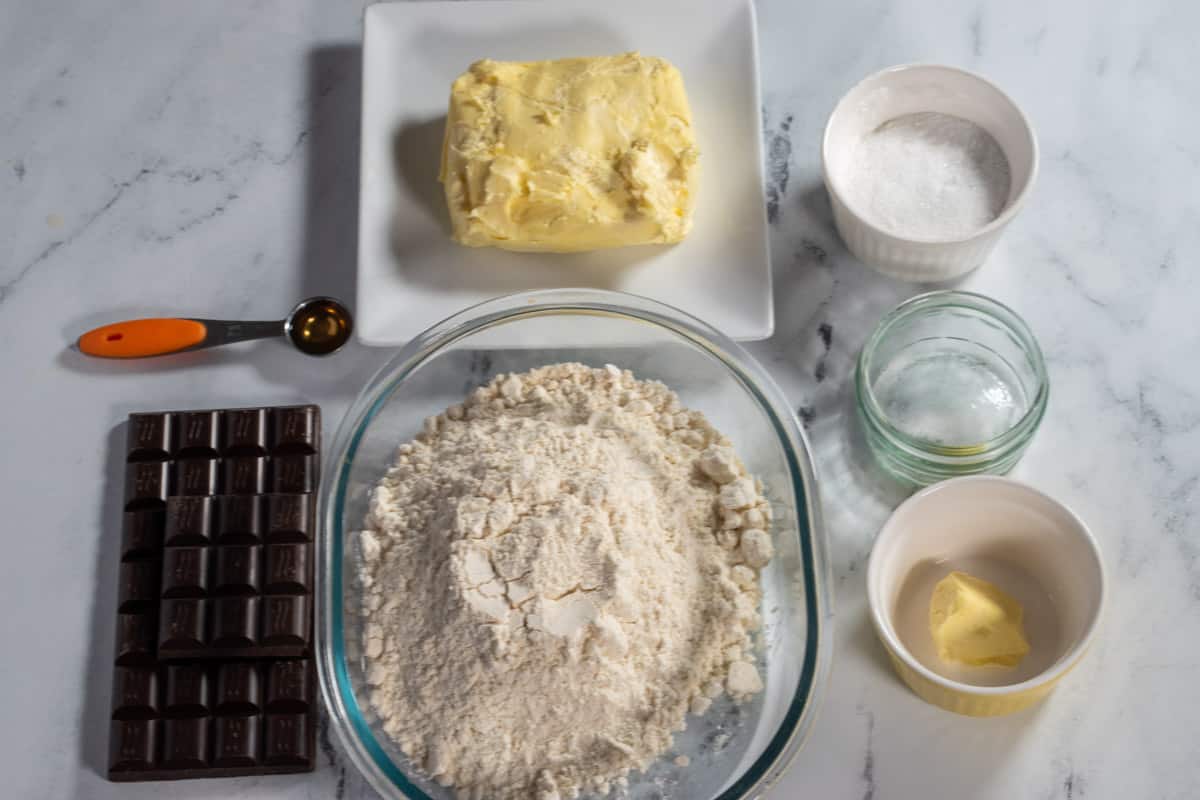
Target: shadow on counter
(98, 666)
(329, 256)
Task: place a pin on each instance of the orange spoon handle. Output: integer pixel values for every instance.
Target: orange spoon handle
(136, 338)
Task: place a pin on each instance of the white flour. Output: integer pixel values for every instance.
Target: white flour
(556, 573)
(929, 175)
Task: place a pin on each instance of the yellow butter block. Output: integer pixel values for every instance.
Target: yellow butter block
(974, 622)
(568, 155)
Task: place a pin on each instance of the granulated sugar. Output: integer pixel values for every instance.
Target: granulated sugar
(929, 176)
(555, 574)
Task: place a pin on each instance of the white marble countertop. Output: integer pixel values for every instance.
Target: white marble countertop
(168, 157)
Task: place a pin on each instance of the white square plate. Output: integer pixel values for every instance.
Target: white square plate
(411, 275)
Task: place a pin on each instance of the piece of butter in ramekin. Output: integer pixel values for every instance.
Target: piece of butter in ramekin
(976, 623)
(569, 155)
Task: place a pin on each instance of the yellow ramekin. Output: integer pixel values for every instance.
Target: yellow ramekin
(964, 516)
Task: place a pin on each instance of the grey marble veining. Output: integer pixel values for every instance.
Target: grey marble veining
(159, 157)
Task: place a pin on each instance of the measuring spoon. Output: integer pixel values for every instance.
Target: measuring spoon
(317, 327)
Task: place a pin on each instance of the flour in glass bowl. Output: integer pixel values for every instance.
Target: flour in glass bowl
(929, 176)
(555, 574)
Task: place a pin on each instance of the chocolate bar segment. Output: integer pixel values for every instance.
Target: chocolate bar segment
(286, 622)
(237, 569)
(246, 475)
(288, 570)
(245, 432)
(185, 743)
(149, 437)
(196, 477)
(214, 672)
(135, 639)
(295, 430)
(182, 631)
(135, 693)
(185, 572)
(139, 587)
(146, 484)
(187, 690)
(188, 521)
(239, 520)
(287, 740)
(289, 517)
(235, 623)
(133, 745)
(289, 689)
(294, 474)
(142, 534)
(238, 690)
(199, 434)
(237, 741)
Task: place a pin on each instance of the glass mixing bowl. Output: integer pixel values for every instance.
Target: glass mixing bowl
(734, 751)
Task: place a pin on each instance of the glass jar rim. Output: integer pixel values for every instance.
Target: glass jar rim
(996, 311)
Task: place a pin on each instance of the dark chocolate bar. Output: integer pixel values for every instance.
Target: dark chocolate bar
(214, 668)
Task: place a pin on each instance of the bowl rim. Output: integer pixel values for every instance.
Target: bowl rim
(886, 631)
(353, 730)
(1005, 216)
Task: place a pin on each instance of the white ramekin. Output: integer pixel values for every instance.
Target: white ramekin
(911, 89)
(978, 515)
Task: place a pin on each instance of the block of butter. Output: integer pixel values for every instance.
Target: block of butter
(976, 623)
(568, 155)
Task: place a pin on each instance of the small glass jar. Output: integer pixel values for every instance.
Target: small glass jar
(950, 383)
